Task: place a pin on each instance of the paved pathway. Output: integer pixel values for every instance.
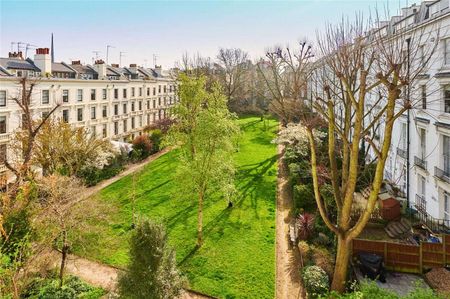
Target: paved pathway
(101, 275)
(287, 259)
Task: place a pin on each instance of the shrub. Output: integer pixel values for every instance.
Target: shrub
(315, 281)
(305, 225)
(162, 125)
(142, 146)
(41, 288)
(152, 271)
(370, 290)
(91, 176)
(322, 240)
(304, 197)
(156, 139)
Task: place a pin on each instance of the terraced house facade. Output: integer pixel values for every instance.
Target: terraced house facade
(111, 101)
(419, 159)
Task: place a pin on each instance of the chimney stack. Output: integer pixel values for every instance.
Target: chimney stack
(15, 55)
(100, 67)
(114, 65)
(43, 61)
(76, 62)
(133, 68)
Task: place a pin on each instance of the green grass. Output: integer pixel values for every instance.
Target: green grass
(237, 259)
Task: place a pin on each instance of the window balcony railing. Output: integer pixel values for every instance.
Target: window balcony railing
(443, 173)
(420, 163)
(421, 203)
(401, 152)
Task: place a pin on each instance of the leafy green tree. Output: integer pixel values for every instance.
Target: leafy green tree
(151, 272)
(205, 132)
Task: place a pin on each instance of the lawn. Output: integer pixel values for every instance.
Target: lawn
(237, 259)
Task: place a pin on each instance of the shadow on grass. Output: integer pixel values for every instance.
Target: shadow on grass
(253, 176)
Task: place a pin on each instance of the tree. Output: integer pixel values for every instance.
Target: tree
(151, 272)
(204, 131)
(62, 215)
(233, 65)
(23, 141)
(285, 73)
(367, 77)
(67, 149)
(196, 66)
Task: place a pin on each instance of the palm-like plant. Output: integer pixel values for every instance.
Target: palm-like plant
(305, 225)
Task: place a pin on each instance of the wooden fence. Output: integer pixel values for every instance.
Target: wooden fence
(407, 258)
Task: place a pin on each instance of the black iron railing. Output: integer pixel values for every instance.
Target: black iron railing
(420, 163)
(434, 224)
(442, 174)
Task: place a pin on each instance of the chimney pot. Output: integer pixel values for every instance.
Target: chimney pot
(100, 61)
(15, 55)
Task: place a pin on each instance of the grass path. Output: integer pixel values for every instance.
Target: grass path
(237, 259)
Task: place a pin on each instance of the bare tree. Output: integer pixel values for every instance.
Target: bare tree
(61, 216)
(363, 78)
(233, 65)
(196, 66)
(285, 72)
(23, 141)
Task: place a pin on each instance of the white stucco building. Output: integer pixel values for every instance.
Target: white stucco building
(111, 101)
(428, 150)
(427, 25)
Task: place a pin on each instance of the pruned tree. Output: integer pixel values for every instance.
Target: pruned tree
(152, 270)
(363, 78)
(233, 65)
(205, 131)
(285, 72)
(23, 141)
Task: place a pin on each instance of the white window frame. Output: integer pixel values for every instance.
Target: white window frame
(3, 99)
(65, 94)
(93, 113)
(45, 96)
(80, 95)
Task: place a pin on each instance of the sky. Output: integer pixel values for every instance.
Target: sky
(167, 29)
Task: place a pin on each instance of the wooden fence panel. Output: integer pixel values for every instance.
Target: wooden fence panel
(447, 249)
(376, 247)
(432, 255)
(403, 257)
(407, 258)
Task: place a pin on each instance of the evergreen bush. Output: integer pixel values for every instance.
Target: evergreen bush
(152, 272)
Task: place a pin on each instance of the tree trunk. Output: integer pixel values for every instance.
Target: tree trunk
(341, 266)
(64, 251)
(200, 220)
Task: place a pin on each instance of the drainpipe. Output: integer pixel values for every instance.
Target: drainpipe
(408, 42)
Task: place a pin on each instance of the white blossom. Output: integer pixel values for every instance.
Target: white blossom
(296, 137)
